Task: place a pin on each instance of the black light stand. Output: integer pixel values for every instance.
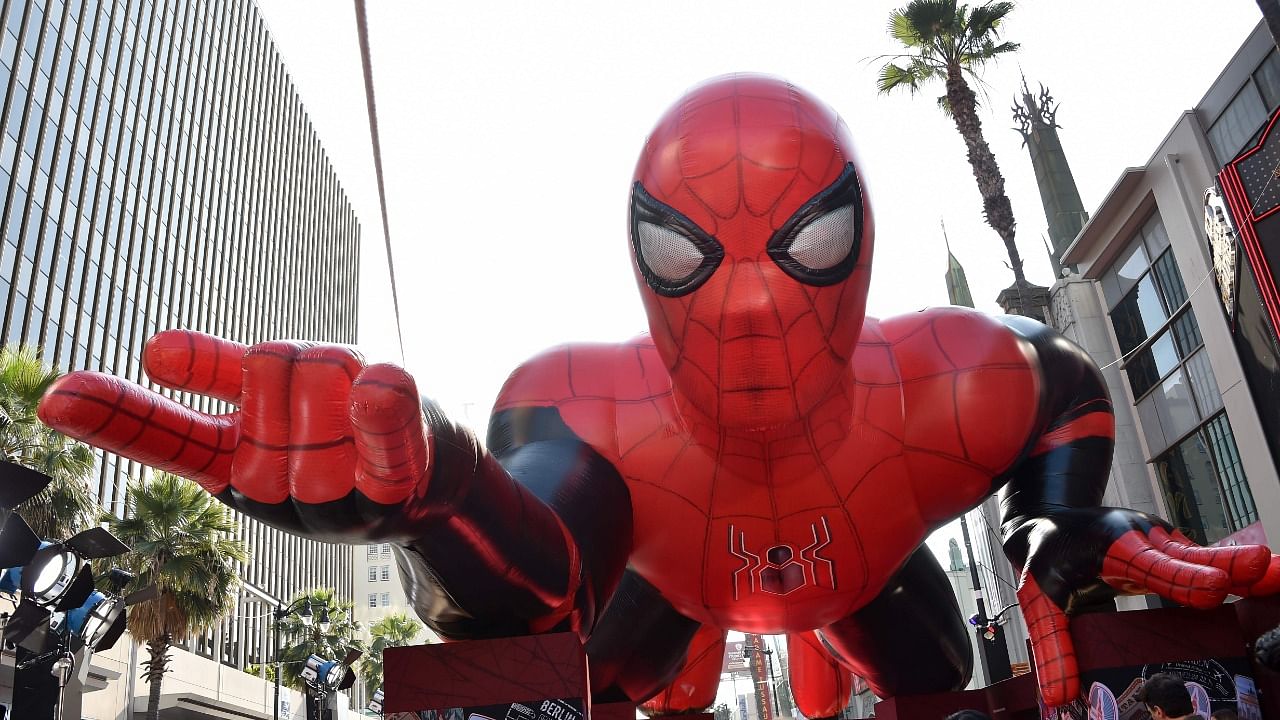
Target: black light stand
(992, 649)
(280, 613)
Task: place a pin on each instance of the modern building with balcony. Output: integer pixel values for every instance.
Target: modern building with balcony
(1191, 444)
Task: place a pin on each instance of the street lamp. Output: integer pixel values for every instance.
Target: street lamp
(993, 653)
(304, 608)
(747, 650)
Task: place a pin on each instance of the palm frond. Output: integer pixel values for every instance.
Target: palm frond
(986, 19)
(929, 20)
(180, 543)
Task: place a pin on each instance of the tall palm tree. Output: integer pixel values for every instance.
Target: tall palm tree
(184, 543)
(949, 42)
(394, 630)
(300, 640)
(66, 505)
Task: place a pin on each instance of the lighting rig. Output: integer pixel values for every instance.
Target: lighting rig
(60, 618)
(324, 677)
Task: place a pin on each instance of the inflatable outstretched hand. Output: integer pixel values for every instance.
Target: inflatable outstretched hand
(319, 443)
(1077, 558)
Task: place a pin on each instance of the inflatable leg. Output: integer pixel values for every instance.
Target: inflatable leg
(639, 646)
(819, 685)
(911, 639)
(694, 689)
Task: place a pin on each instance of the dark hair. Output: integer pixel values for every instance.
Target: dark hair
(968, 715)
(1225, 714)
(1168, 693)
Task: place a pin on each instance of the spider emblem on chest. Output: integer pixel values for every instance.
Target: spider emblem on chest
(781, 568)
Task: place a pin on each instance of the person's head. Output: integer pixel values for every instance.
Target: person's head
(1166, 697)
(968, 715)
(751, 239)
(1225, 714)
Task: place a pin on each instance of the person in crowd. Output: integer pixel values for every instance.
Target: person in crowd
(1167, 698)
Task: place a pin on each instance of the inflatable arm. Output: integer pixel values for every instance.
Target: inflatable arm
(1072, 552)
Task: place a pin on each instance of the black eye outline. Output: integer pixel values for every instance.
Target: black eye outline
(844, 191)
(646, 208)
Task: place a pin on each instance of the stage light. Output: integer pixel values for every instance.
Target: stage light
(331, 671)
(49, 575)
(311, 670)
(375, 705)
(92, 620)
(19, 484)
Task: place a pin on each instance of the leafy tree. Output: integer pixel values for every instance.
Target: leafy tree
(66, 505)
(949, 42)
(299, 640)
(394, 630)
(722, 712)
(183, 542)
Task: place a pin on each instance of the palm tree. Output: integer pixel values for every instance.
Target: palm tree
(300, 640)
(950, 42)
(183, 543)
(394, 630)
(66, 505)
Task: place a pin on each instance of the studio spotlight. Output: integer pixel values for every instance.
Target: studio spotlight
(331, 671)
(312, 672)
(91, 621)
(19, 484)
(375, 705)
(50, 574)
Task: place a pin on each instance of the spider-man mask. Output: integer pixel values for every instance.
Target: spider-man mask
(752, 242)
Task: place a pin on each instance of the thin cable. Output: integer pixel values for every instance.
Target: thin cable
(362, 30)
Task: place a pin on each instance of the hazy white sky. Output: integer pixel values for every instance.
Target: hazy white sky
(510, 129)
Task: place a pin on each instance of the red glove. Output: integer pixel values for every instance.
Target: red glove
(1087, 556)
(320, 443)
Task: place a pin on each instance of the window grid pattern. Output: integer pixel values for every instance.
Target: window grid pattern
(158, 170)
(1241, 122)
(1176, 395)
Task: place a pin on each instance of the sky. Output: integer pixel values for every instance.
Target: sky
(510, 131)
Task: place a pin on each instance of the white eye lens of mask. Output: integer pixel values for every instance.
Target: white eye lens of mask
(826, 241)
(667, 253)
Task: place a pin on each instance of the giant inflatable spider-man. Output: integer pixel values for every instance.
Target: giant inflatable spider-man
(766, 459)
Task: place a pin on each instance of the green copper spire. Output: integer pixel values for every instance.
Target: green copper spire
(957, 283)
(1065, 214)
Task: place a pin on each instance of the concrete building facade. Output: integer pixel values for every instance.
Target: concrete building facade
(1190, 444)
(158, 170)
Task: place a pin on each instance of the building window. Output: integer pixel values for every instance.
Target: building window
(373, 551)
(386, 599)
(386, 572)
(373, 573)
(373, 599)
(385, 549)
(1244, 117)
(1177, 397)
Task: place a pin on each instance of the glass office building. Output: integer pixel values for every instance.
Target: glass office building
(158, 170)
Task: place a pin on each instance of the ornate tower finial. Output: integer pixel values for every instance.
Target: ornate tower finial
(1037, 118)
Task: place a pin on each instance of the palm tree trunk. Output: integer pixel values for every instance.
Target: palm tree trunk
(995, 203)
(157, 665)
